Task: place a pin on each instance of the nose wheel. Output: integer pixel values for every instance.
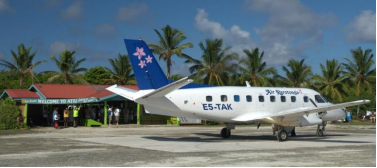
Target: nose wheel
(320, 131)
(225, 133)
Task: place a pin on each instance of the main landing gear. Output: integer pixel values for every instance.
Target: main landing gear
(320, 131)
(225, 132)
(284, 132)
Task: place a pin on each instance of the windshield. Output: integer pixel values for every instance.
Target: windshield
(318, 99)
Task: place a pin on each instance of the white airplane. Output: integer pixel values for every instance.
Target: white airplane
(285, 108)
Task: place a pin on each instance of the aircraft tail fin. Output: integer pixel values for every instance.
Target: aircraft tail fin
(148, 72)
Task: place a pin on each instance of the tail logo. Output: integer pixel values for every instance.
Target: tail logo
(140, 53)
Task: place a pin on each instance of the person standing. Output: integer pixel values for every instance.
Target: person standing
(56, 120)
(110, 114)
(45, 116)
(116, 114)
(373, 117)
(125, 114)
(66, 117)
(53, 114)
(75, 115)
(100, 114)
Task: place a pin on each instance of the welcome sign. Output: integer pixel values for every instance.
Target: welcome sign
(60, 101)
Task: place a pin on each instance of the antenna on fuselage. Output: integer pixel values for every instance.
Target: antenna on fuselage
(247, 84)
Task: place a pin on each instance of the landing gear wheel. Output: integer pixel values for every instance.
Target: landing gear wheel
(320, 132)
(225, 133)
(282, 135)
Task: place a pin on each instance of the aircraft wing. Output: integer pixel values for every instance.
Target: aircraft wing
(167, 89)
(298, 111)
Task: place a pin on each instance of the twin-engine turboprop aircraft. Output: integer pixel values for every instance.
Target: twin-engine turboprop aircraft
(286, 108)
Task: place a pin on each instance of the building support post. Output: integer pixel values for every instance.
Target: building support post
(138, 114)
(105, 115)
(25, 114)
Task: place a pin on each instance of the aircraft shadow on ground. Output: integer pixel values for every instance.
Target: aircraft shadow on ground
(248, 138)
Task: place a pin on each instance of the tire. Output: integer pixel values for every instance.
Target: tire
(282, 135)
(320, 133)
(225, 133)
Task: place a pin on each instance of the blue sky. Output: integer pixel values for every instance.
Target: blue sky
(314, 30)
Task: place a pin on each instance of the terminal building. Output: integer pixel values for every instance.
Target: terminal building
(32, 101)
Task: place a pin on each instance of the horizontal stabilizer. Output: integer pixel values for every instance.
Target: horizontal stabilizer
(167, 89)
(298, 111)
(122, 91)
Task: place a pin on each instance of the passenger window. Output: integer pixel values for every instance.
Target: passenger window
(261, 98)
(224, 98)
(282, 98)
(236, 98)
(319, 99)
(306, 99)
(209, 98)
(272, 98)
(293, 98)
(248, 98)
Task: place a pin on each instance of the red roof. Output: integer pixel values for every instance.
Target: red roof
(21, 93)
(59, 91)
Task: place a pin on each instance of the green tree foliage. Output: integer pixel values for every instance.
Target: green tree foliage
(254, 70)
(361, 70)
(121, 72)
(169, 45)
(297, 75)
(331, 83)
(8, 114)
(176, 77)
(23, 60)
(68, 67)
(97, 75)
(215, 66)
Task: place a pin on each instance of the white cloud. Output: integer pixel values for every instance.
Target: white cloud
(291, 28)
(362, 28)
(236, 37)
(132, 12)
(105, 31)
(92, 55)
(74, 11)
(58, 47)
(5, 7)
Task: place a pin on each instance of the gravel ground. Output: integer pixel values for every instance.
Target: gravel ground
(192, 146)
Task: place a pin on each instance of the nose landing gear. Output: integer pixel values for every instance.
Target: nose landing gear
(320, 131)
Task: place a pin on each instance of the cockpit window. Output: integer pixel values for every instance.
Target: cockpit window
(324, 99)
(318, 99)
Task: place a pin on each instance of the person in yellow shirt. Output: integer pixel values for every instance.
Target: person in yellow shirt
(66, 117)
(76, 115)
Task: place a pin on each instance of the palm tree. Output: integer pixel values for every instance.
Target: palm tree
(254, 70)
(361, 71)
(169, 45)
(298, 75)
(68, 68)
(215, 67)
(331, 83)
(122, 70)
(23, 62)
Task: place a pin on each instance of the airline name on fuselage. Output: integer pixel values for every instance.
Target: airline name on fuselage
(283, 92)
(217, 107)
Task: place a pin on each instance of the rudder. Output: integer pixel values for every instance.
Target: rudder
(148, 72)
